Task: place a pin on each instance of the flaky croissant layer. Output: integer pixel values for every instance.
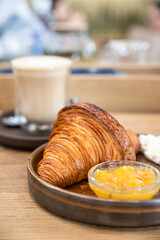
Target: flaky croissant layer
(83, 136)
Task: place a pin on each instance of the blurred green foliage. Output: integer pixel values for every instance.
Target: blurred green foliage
(111, 18)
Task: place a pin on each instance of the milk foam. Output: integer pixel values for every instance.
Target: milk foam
(41, 63)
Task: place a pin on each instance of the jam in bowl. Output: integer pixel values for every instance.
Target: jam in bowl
(124, 180)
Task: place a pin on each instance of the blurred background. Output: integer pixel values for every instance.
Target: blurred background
(110, 30)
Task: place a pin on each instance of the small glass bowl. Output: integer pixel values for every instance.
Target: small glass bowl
(110, 192)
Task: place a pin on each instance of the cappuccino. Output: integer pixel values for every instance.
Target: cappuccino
(41, 87)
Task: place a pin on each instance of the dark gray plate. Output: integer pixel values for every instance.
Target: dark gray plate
(78, 202)
(16, 137)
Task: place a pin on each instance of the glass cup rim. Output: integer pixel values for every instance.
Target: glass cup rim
(54, 63)
(124, 162)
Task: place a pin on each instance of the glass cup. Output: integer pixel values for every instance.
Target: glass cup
(40, 90)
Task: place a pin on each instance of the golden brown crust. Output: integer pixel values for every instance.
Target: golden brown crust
(135, 140)
(111, 123)
(83, 136)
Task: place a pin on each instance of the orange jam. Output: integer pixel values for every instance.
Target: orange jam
(125, 177)
(125, 183)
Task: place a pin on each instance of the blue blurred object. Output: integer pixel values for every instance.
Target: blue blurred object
(82, 71)
(97, 71)
(6, 71)
(21, 31)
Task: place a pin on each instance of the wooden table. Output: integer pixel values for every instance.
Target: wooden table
(22, 218)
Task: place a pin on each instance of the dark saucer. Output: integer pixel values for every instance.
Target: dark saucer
(17, 138)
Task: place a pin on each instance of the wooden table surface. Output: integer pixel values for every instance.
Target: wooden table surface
(22, 218)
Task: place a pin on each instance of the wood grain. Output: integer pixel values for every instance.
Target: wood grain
(22, 218)
(131, 93)
(7, 92)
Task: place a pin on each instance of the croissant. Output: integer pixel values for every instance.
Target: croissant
(83, 136)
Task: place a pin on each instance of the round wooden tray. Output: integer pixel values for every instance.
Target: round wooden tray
(16, 137)
(78, 202)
